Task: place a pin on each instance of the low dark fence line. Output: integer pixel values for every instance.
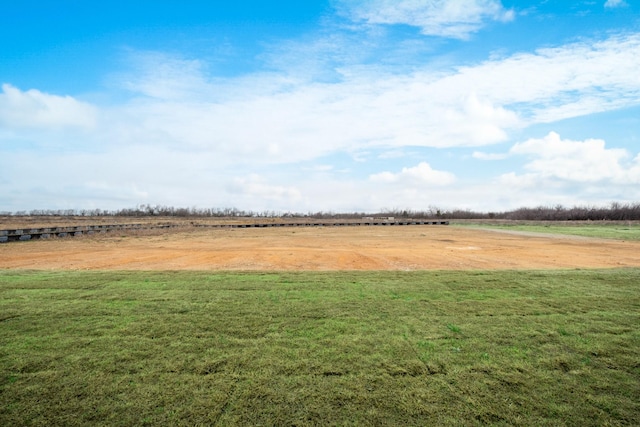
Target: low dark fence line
(16, 235)
(323, 224)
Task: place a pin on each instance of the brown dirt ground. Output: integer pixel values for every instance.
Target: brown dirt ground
(326, 248)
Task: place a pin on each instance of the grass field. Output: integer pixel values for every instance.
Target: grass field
(605, 230)
(364, 348)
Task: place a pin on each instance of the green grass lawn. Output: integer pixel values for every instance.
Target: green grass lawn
(585, 229)
(364, 348)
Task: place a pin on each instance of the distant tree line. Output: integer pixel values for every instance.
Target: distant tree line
(614, 212)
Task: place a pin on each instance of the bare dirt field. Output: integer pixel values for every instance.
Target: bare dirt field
(319, 248)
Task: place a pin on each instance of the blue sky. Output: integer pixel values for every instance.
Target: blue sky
(337, 105)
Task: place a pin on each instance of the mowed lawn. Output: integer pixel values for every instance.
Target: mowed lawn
(604, 230)
(363, 348)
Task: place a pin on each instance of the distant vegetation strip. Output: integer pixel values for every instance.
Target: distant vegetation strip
(300, 348)
(614, 212)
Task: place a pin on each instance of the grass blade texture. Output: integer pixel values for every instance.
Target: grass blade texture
(364, 348)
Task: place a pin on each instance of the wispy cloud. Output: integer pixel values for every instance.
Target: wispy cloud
(615, 3)
(181, 115)
(561, 82)
(165, 77)
(272, 118)
(453, 18)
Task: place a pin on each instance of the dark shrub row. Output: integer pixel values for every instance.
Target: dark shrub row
(614, 212)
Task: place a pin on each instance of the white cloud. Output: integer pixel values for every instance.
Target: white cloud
(586, 161)
(392, 154)
(320, 168)
(489, 156)
(513, 181)
(479, 122)
(419, 175)
(37, 110)
(127, 176)
(615, 3)
(444, 18)
(256, 187)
